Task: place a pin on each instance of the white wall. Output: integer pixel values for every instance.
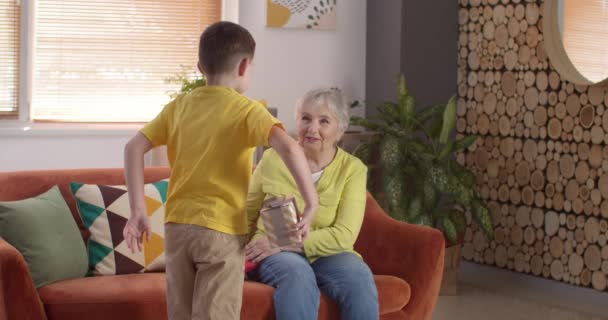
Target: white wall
(288, 62)
(56, 147)
(61, 152)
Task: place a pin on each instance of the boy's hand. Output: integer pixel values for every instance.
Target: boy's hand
(134, 231)
(303, 226)
(295, 160)
(134, 175)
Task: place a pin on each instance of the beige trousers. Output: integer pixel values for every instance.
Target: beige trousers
(205, 273)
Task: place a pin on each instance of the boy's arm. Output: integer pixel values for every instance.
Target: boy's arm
(343, 233)
(134, 175)
(293, 157)
(255, 198)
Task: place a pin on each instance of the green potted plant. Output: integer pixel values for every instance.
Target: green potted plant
(420, 180)
(188, 81)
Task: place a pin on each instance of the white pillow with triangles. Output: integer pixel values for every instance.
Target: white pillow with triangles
(105, 211)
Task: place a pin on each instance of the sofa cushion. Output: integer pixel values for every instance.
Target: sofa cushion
(43, 231)
(142, 296)
(257, 301)
(131, 296)
(398, 315)
(105, 211)
(393, 293)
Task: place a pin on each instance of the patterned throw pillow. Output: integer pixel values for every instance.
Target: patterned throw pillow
(105, 211)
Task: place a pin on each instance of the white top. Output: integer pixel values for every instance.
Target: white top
(316, 176)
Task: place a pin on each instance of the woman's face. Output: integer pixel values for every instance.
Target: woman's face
(317, 128)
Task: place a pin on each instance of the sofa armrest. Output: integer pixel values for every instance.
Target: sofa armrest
(413, 253)
(18, 297)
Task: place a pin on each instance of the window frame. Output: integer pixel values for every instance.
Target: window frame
(21, 121)
(21, 113)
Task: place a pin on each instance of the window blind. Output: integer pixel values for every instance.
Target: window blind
(108, 61)
(10, 16)
(586, 36)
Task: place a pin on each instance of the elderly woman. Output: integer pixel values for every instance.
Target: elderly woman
(326, 260)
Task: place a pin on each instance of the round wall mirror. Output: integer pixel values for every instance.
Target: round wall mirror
(576, 39)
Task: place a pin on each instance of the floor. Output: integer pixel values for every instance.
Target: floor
(490, 293)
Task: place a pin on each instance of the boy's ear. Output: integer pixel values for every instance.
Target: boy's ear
(243, 65)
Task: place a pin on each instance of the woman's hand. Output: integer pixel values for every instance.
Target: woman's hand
(296, 247)
(262, 249)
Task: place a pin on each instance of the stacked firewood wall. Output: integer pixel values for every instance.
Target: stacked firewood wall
(542, 158)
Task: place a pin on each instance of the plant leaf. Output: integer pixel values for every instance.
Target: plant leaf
(449, 229)
(402, 86)
(439, 178)
(423, 220)
(430, 194)
(461, 193)
(415, 208)
(481, 215)
(460, 221)
(389, 112)
(417, 149)
(464, 142)
(437, 122)
(449, 120)
(393, 192)
(358, 121)
(446, 150)
(407, 111)
(440, 213)
(465, 175)
(429, 112)
(390, 153)
(400, 211)
(409, 170)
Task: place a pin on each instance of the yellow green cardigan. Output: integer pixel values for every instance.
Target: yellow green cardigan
(342, 194)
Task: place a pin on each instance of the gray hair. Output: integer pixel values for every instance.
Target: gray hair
(335, 101)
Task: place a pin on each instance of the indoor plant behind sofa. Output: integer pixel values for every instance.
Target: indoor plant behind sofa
(412, 253)
(415, 171)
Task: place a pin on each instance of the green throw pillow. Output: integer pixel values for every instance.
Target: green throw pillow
(44, 231)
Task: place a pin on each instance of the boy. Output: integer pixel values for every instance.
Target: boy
(210, 135)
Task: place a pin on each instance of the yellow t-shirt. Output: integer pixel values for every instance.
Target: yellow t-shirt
(210, 135)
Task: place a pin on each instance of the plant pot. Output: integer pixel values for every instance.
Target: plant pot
(449, 283)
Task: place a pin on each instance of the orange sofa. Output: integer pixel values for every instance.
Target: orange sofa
(406, 259)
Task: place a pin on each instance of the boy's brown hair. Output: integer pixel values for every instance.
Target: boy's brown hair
(222, 45)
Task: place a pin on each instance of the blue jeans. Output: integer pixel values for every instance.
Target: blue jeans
(343, 277)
